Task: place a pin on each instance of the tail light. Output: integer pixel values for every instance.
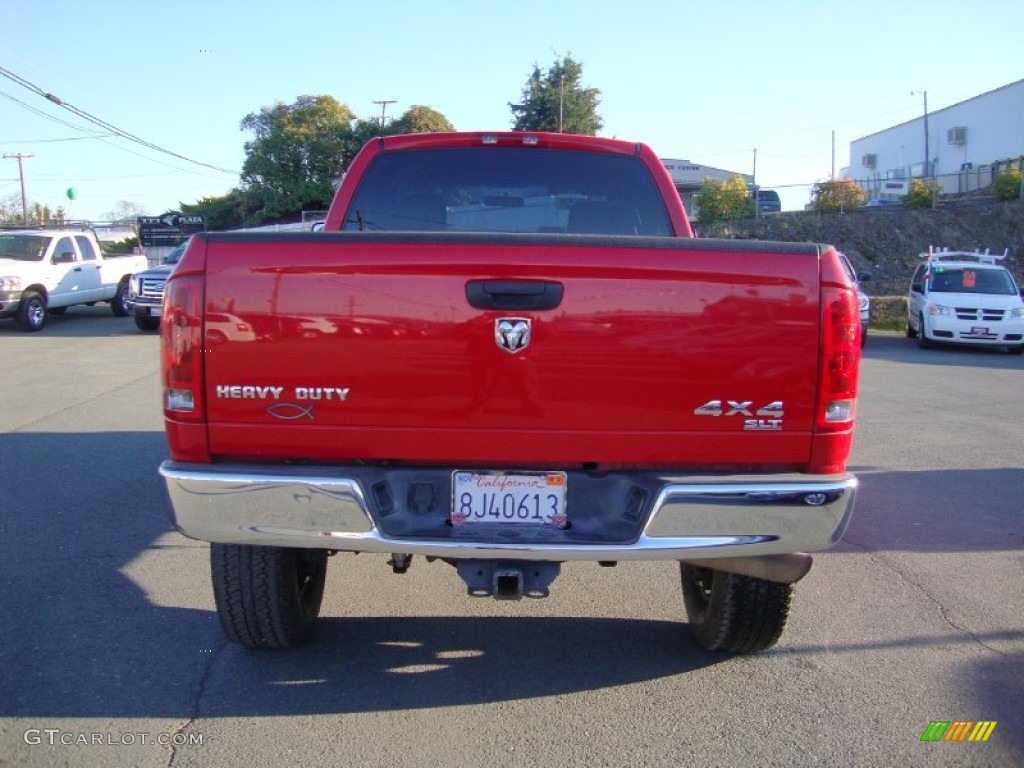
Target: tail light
(836, 406)
(840, 360)
(181, 349)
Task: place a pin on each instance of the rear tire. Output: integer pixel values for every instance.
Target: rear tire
(147, 323)
(911, 333)
(118, 304)
(31, 314)
(922, 338)
(733, 613)
(267, 597)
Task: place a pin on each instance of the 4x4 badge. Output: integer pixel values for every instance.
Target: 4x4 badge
(512, 333)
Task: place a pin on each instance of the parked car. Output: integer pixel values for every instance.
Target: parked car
(965, 297)
(146, 291)
(863, 300)
(768, 201)
(48, 270)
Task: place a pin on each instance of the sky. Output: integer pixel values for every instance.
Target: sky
(743, 85)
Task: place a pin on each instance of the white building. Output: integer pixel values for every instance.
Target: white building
(967, 143)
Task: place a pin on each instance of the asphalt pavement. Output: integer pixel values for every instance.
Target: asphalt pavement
(111, 653)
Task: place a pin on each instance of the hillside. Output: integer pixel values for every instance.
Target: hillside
(887, 241)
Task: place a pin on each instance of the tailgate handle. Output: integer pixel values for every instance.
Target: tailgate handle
(514, 294)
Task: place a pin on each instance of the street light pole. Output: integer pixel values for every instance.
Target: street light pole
(927, 153)
(926, 172)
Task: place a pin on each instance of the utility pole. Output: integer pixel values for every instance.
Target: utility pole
(753, 184)
(383, 108)
(833, 176)
(21, 174)
(561, 102)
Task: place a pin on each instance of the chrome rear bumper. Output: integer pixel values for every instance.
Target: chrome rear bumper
(688, 518)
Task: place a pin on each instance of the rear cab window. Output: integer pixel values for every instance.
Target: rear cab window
(508, 189)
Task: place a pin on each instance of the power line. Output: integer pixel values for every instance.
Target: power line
(51, 141)
(97, 136)
(44, 115)
(103, 123)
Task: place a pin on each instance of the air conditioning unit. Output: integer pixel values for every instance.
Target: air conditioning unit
(957, 135)
(869, 161)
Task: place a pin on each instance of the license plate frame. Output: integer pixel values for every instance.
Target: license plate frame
(977, 330)
(513, 498)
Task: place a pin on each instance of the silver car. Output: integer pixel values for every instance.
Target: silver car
(863, 299)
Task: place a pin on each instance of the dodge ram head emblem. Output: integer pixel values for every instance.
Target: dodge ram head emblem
(512, 333)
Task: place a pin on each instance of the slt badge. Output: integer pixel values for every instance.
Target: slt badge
(512, 333)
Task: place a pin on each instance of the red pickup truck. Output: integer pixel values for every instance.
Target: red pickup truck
(507, 351)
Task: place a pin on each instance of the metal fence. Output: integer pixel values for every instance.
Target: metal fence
(969, 179)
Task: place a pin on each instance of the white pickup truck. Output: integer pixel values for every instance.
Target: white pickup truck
(49, 270)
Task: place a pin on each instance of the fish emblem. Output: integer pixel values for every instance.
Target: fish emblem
(291, 411)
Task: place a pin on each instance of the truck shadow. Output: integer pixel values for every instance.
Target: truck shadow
(84, 526)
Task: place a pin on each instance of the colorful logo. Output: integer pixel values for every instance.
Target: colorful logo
(958, 730)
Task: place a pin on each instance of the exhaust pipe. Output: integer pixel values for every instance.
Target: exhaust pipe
(783, 569)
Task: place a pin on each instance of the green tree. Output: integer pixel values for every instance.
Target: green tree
(556, 101)
(298, 150)
(225, 212)
(723, 200)
(417, 119)
(420, 119)
(1008, 184)
(921, 193)
(836, 195)
(297, 155)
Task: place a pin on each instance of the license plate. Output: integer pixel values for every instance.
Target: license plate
(976, 331)
(512, 498)
(154, 312)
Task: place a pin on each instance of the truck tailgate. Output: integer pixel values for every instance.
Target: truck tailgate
(365, 347)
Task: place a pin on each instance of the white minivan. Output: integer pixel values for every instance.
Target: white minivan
(965, 297)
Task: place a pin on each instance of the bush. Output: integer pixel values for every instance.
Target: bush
(922, 194)
(836, 195)
(1007, 184)
(723, 200)
(127, 245)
